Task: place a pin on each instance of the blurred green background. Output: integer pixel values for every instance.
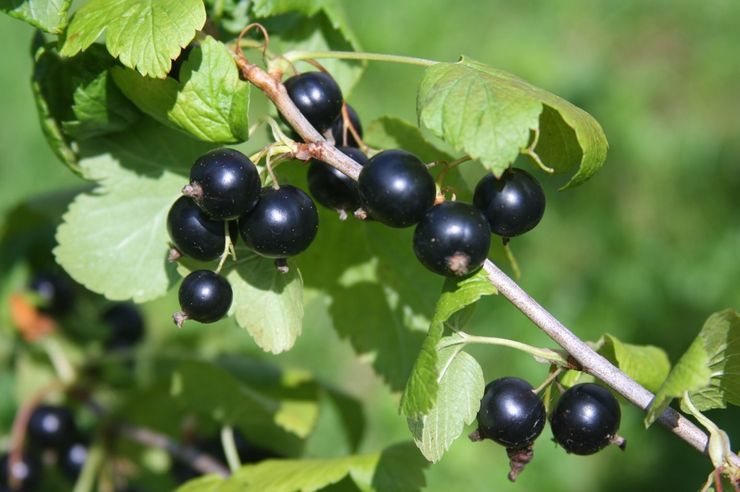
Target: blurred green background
(646, 250)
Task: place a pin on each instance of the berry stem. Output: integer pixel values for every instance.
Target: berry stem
(229, 445)
(228, 248)
(554, 373)
(540, 354)
(62, 366)
(580, 351)
(298, 55)
(529, 151)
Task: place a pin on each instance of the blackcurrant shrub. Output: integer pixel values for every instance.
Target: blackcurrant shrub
(126, 325)
(346, 138)
(317, 96)
(396, 188)
(283, 224)
(224, 183)
(513, 203)
(195, 234)
(331, 187)
(56, 291)
(585, 419)
(511, 414)
(51, 426)
(26, 472)
(452, 239)
(73, 458)
(204, 296)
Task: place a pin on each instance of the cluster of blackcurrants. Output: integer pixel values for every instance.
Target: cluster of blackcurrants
(585, 419)
(52, 432)
(394, 188)
(57, 295)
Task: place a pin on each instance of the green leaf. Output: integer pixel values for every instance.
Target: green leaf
(646, 364)
(209, 102)
(491, 114)
(47, 15)
(317, 25)
(707, 370)
(114, 239)
(207, 483)
(76, 99)
(144, 34)
(422, 387)
(460, 388)
(352, 415)
(267, 303)
(398, 468)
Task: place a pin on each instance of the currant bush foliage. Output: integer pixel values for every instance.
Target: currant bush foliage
(113, 111)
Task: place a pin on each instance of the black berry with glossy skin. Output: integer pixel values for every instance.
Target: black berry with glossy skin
(283, 224)
(337, 129)
(51, 426)
(511, 414)
(396, 188)
(204, 296)
(317, 96)
(72, 459)
(126, 325)
(27, 473)
(56, 291)
(224, 183)
(452, 239)
(194, 233)
(513, 204)
(585, 419)
(331, 187)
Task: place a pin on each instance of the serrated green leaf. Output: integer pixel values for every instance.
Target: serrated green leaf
(47, 15)
(352, 415)
(209, 102)
(422, 387)
(398, 468)
(460, 388)
(490, 114)
(114, 240)
(76, 99)
(143, 34)
(269, 304)
(325, 29)
(707, 370)
(646, 364)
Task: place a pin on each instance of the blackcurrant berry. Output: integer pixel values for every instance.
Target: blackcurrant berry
(346, 138)
(331, 187)
(51, 426)
(452, 239)
(511, 414)
(585, 419)
(126, 325)
(195, 234)
(396, 188)
(224, 183)
(513, 203)
(72, 460)
(204, 296)
(56, 291)
(26, 472)
(317, 96)
(283, 224)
